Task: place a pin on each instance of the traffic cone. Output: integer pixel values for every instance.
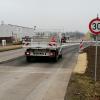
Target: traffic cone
(53, 39)
(81, 46)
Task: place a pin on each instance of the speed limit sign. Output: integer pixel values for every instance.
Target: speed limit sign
(94, 26)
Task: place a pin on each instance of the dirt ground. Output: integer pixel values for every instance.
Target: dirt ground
(82, 85)
(91, 62)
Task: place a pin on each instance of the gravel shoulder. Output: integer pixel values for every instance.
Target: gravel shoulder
(81, 64)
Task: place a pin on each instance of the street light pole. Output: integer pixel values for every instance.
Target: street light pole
(34, 28)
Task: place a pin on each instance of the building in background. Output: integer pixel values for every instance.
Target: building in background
(14, 33)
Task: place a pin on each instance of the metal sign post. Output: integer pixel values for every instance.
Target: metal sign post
(96, 53)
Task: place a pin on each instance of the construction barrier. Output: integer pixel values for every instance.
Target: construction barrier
(85, 44)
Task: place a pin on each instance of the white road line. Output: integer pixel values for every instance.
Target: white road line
(34, 72)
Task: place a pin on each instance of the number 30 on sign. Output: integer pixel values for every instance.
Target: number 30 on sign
(94, 26)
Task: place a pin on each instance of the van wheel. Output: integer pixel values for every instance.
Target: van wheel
(60, 56)
(28, 59)
(55, 59)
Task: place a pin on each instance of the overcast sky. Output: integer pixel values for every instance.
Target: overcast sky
(72, 15)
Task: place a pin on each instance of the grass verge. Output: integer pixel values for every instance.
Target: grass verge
(82, 86)
(11, 47)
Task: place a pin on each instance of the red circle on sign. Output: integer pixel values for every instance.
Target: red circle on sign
(94, 32)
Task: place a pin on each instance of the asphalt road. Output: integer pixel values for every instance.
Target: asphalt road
(39, 80)
(11, 54)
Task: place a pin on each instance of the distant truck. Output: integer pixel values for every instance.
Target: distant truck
(63, 39)
(43, 44)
